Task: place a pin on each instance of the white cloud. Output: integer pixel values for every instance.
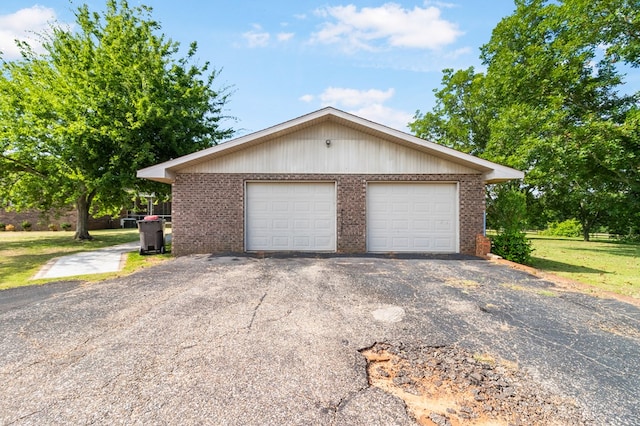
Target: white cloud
(458, 53)
(440, 4)
(390, 117)
(353, 98)
(367, 104)
(23, 25)
(285, 36)
(257, 37)
(390, 25)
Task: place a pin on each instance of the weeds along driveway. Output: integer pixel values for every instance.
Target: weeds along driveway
(238, 340)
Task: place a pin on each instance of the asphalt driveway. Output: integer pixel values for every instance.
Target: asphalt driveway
(246, 341)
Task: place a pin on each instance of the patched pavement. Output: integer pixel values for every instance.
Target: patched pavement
(246, 341)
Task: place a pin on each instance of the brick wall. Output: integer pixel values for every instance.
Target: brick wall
(483, 246)
(41, 222)
(208, 209)
(207, 214)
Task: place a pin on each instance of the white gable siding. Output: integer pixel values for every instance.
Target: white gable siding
(350, 151)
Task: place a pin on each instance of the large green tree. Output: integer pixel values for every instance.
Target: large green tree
(550, 103)
(105, 99)
(460, 118)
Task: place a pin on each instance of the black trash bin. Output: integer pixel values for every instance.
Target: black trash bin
(151, 234)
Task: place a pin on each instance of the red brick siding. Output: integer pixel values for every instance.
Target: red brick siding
(483, 246)
(41, 222)
(351, 215)
(207, 214)
(208, 209)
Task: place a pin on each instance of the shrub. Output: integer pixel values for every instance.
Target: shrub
(2, 226)
(630, 238)
(506, 209)
(26, 225)
(568, 228)
(513, 246)
(10, 228)
(65, 226)
(52, 227)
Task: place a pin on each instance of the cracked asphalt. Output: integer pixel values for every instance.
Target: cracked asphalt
(248, 341)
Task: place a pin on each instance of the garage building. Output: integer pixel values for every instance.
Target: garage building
(328, 181)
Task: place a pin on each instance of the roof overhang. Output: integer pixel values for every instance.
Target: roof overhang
(492, 172)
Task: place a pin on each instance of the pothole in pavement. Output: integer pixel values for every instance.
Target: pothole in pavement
(450, 386)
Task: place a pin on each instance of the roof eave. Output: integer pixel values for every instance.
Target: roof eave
(157, 173)
(502, 174)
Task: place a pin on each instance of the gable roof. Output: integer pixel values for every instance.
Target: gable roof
(492, 172)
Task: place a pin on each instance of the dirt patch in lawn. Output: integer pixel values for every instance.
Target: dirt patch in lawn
(449, 386)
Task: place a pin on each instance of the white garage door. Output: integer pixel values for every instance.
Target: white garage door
(412, 217)
(285, 216)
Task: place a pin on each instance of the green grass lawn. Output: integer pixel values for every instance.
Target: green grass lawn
(22, 254)
(604, 264)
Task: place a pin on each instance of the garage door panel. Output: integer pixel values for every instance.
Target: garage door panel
(302, 206)
(379, 209)
(322, 189)
(377, 224)
(442, 244)
(399, 242)
(261, 225)
(261, 240)
(400, 224)
(420, 226)
(323, 225)
(377, 241)
(301, 225)
(400, 207)
(423, 242)
(281, 206)
(420, 207)
(301, 243)
(412, 217)
(280, 224)
(290, 216)
(278, 243)
(441, 208)
(323, 241)
(444, 226)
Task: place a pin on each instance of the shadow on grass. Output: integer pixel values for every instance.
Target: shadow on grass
(626, 250)
(18, 269)
(612, 247)
(553, 266)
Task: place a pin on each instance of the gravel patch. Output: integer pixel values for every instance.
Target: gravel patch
(449, 386)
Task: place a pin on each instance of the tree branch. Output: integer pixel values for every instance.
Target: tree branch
(22, 167)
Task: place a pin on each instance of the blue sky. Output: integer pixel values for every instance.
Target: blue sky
(379, 60)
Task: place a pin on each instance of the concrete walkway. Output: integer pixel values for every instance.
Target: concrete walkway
(108, 259)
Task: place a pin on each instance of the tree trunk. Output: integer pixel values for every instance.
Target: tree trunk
(83, 204)
(586, 229)
(587, 221)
